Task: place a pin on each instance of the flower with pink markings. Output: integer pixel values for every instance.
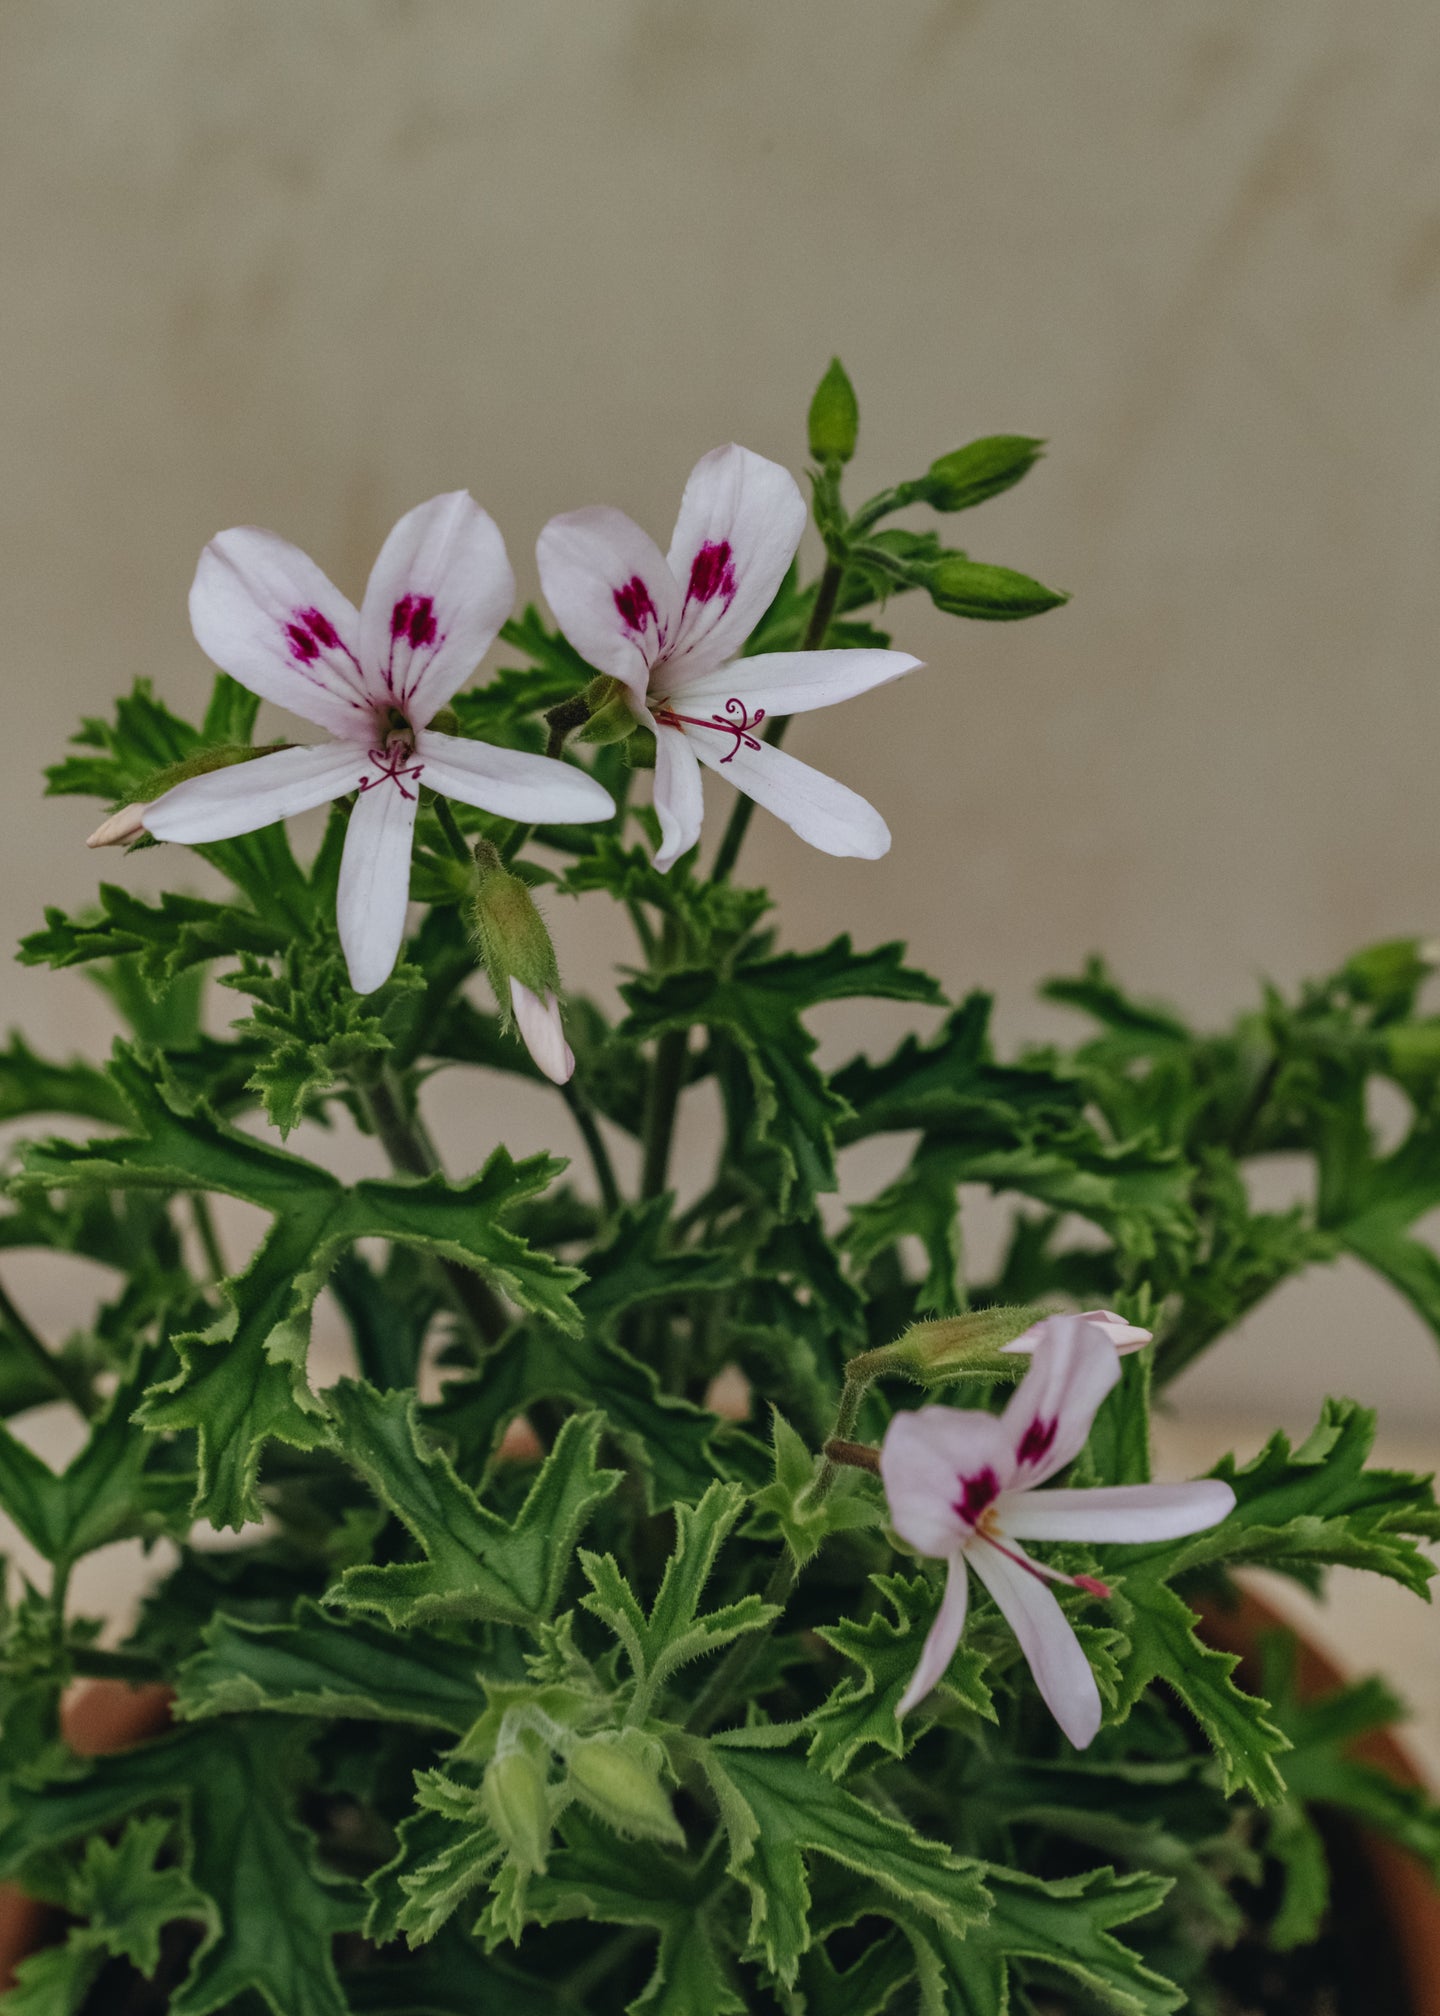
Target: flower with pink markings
(374, 679)
(670, 630)
(957, 1482)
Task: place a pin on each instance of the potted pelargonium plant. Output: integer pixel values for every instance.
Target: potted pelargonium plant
(880, 1687)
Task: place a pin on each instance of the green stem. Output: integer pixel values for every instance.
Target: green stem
(209, 1238)
(826, 597)
(458, 844)
(70, 1384)
(413, 1153)
(667, 1079)
(594, 1140)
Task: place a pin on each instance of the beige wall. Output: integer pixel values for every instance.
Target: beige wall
(305, 263)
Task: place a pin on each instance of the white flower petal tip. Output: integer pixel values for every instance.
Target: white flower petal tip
(1124, 1336)
(126, 824)
(542, 1032)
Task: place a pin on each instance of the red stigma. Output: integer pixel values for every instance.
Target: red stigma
(711, 573)
(1093, 1588)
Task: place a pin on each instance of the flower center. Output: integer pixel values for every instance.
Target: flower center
(976, 1493)
(393, 763)
(666, 715)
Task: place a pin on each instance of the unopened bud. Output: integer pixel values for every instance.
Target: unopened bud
(515, 948)
(128, 823)
(517, 1801)
(121, 827)
(954, 1345)
(618, 1776)
(983, 469)
(612, 719)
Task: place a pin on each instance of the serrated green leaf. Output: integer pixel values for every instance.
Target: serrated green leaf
(235, 1784)
(321, 1666)
(776, 1810)
(476, 1565)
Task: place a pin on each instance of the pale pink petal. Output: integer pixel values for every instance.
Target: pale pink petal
(542, 1031)
(830, 816)
(740, 522)
(1072, 1367)
(786, 682)
(1133, 1512)
(679, 795)
(126, 824)
(1051, 1649)
(263, 612)
(1124, 1336)
(375, 881)
(941, 1468)
(438, 594)
(512, 783)
(941, 1639)
(610, 590)
(244, 796)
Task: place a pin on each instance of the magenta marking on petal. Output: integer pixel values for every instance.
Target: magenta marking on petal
(670, 719)
(400, 616)
(303, 648)
(975, 1494)
(1037, 1441)
(320, 627)
(634, 605)
(711, 573)
(421, 627)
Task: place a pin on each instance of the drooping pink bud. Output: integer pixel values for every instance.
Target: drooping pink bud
(125, 825)
(542, 1031)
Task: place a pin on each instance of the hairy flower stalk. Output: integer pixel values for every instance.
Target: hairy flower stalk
(957, 1483)
(670, 630)
(374, 679)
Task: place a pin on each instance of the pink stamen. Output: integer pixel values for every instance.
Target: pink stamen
(1043, 1574)
(670, 719)
(1093, 1588)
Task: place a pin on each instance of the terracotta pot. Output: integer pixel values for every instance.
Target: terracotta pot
(1409, 1897)
(96, 1719)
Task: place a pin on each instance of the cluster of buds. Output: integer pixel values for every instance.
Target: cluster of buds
(616, 1773)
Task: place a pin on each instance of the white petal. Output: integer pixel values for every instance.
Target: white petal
(830, 816)
(542, 1032)
(610, 590)
(438, 594)
(1072, 1367)
(510, 782)
(245, 796)
(941, 1639)
(375, 881)
(1052, 1651)
(740, 522)
(788, 682)
(1124, 1336)
(935, 1461)
(679, 795)
(264, 612)
(1117, 1511)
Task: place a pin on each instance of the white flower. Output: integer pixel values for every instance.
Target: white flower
(957, 1484)
(1124, 1336)
(374, 679)
(671, 631)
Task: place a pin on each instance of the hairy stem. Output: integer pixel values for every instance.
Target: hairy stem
(207, 1235)
(667, 1079)
(459, 846)
(826, 596)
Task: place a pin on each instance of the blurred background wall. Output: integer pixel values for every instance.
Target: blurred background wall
(306, 262)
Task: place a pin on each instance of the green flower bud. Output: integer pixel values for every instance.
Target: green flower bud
(952, 1346)
(617, 1775)
(834, 416)
(516, 951)
(611, 716)
(516, 1799)
(981, 469)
